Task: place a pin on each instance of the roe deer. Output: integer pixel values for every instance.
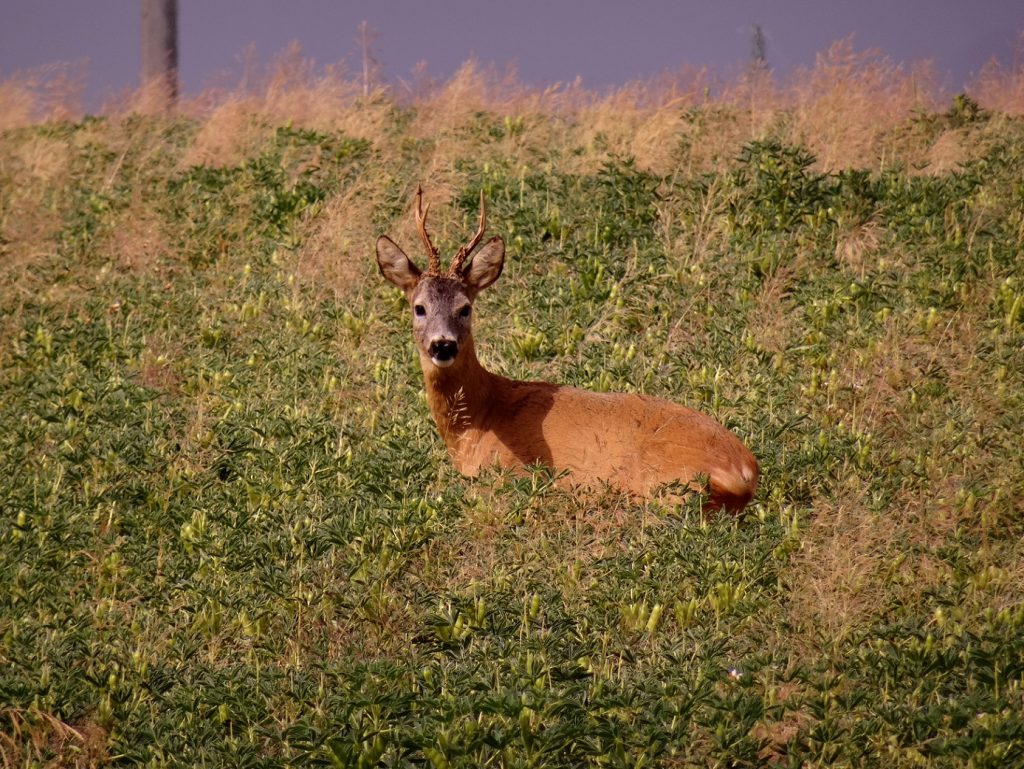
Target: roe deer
(632, 442)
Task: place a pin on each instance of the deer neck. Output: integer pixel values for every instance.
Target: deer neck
(460, 395)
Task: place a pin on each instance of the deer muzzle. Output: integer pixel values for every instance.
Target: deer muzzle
(443, 351)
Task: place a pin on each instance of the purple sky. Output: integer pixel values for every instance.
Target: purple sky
(550, 41)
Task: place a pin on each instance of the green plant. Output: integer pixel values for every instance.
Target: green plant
(229, 534)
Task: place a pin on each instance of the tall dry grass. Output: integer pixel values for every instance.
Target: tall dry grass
(999, 86)
(846, 108)
(851, 108)
(43, 94)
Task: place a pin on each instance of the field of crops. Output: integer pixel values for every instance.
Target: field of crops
(230, 535)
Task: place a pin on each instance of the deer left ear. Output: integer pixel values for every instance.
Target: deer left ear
(486, 266)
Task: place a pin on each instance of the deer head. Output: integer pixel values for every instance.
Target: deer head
(442, 303)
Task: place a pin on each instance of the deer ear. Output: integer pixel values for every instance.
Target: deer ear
(395, 266)
(486, 265)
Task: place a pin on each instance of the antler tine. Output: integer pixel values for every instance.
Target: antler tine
(466, 250)
(434, 260)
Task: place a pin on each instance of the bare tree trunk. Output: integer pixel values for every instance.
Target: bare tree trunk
(160, 52)
(758, 58)
(366, 37)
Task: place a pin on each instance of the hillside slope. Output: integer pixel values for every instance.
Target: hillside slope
(230, 534)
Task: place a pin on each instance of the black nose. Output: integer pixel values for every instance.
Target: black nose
(444, 349)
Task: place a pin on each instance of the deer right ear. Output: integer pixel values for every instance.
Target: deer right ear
(395, 266)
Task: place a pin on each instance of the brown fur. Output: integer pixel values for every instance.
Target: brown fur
(633, 442)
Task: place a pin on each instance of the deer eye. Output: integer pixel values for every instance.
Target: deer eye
(420, 310)
(464, 312)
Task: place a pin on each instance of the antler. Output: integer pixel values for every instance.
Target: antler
(467, 249)
(434, 260)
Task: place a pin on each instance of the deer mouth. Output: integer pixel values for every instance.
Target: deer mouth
(442, 353)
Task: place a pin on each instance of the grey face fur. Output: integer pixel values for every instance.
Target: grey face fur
(441, 318)
(441, 305)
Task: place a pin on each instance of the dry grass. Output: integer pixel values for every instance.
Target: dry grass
(948, 152)
(850, 562)
(228, 136)
(579, 528)
(28, 218)
(1000, 86)
(156, 366)
(471, 90)
(846, 109)
(45, 94)
(774, 319)
(850, 102)
(334, 255)
(37, 738)
(137, 241)
(293, 87)
(855, 562)
(858, 248)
